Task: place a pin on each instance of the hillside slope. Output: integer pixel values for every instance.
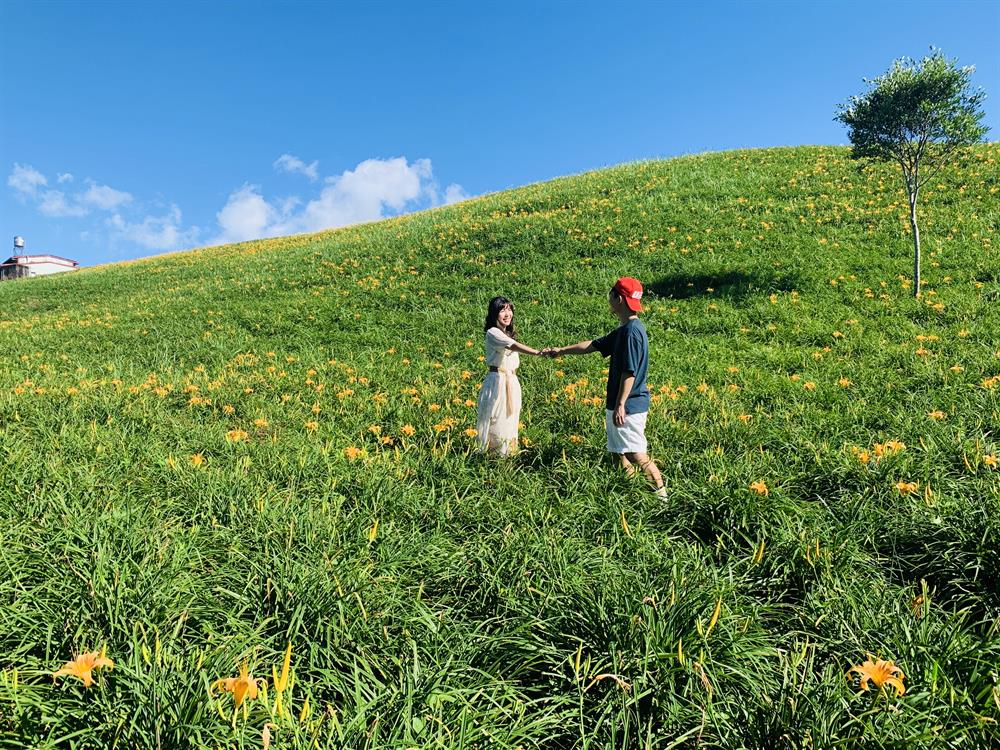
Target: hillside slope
(209, 455)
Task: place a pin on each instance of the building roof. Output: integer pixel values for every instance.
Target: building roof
(24, 260)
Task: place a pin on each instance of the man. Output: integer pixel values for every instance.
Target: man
(627, 402)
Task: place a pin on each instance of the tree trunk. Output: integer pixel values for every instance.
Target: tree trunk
(916, 245)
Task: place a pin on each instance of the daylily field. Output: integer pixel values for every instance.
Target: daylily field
(240, 506)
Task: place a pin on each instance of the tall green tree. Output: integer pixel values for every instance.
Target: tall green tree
(918, 115)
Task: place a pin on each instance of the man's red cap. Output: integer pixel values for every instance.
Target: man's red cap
(631, 290)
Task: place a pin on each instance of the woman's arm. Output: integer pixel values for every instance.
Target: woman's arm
(519, 347)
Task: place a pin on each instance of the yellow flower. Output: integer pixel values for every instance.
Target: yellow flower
(82, 667)
(312, 425)
(471, 432)
(880, 672)
(844, 383)
(242, 687)
(760, 488)
(809, 385)
(408, 430)
(197, 459)
(235, 436)
(907, 488)
(936, 414)
(281, 681)
(352, 453)
(575, 439)
(990, 460)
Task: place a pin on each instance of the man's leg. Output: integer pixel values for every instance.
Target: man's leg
(649, 468)
(625, 463)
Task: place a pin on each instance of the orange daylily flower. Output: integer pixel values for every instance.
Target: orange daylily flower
(760, 488)
(82, 667)
(881, 673)
(242, 687)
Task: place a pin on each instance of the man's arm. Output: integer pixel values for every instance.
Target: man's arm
(623, 391)
(583, 347)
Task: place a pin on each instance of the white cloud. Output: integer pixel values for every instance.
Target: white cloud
(29, 183)
(54, 203)
(246, 216)
(104, 197)
(365, 193)
(26, 180)
(155, 232)
(289, 163)
(454, 193)
(152, 232)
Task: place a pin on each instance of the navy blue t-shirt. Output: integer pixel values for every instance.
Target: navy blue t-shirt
(628, 347)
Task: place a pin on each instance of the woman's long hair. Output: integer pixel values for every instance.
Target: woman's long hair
(493, 312)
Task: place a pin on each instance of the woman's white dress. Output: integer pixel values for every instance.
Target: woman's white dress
(500, 396)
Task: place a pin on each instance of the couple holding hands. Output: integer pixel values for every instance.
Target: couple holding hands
(627, 401)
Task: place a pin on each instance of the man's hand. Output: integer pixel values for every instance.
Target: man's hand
(619, 415)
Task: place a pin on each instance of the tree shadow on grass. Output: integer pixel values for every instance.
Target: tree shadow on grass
(731, 285)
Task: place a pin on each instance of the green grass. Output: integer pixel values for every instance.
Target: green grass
(493, 593)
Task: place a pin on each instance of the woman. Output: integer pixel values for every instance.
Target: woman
(500, 395)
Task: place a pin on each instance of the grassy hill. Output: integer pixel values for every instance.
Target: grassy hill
(210, 455)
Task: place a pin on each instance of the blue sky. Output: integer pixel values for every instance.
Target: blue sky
(129, 129)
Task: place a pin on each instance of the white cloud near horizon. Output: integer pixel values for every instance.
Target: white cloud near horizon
(455, 193)
(155, 232)
(293, 164)
(373, 190)
(149, 231)
(365, 193)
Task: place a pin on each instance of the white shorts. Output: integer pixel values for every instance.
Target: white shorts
(630, 437)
